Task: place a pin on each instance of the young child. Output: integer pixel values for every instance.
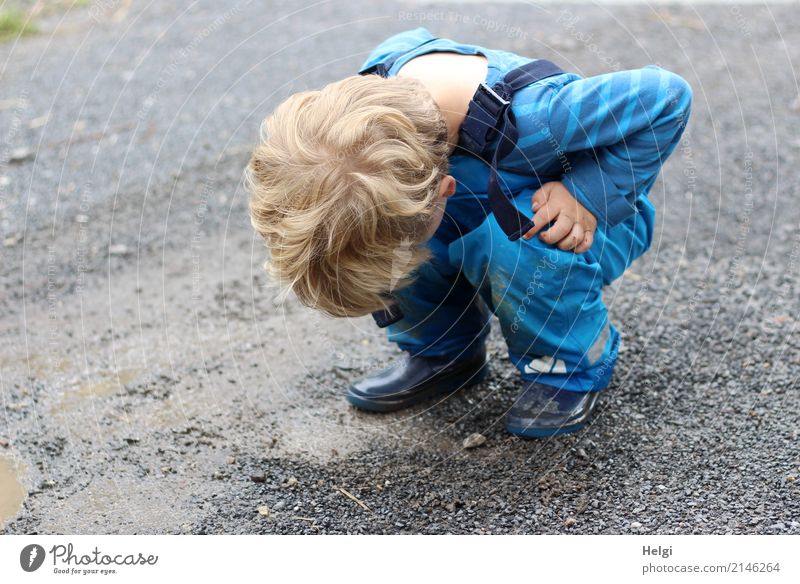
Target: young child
(403, 191)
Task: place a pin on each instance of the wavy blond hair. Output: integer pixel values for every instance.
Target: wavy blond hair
(342, 188)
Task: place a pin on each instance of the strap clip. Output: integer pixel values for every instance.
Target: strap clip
(483, 119)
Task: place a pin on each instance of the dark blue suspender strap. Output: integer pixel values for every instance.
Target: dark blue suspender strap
(490, 113)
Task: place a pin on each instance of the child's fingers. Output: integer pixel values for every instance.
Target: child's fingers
(540, 197)
(573, 238)
(559, 230)
(588, 239)
(542, 217)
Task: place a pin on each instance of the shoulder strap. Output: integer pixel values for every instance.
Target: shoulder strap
(490, 113)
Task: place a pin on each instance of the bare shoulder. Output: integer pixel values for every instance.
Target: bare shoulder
(444, 64)
(451, 79)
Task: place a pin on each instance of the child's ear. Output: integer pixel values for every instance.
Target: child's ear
(447, 187)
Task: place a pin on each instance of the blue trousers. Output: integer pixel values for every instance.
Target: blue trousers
(548, 301)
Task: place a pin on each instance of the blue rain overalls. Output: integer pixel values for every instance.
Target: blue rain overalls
(548, 301)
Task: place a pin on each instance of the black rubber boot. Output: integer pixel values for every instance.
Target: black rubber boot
(542, 410)
(415, 379)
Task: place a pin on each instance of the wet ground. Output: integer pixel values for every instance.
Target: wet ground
(150, 382)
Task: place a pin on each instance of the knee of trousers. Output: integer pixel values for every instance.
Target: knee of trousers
(616, 248)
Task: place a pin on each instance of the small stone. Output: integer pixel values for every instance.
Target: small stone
(82, 218)
(231, 460)
(263, 510)
(795, 105)
(474, 440)
(582, 454)
(636, 525)
(570, 521)
(279, 505)
(12, 240)
(3, 442)
(119, 249)
(258, 477)
(291, 482)
(19, 155)
(451, 507)
(38, 122)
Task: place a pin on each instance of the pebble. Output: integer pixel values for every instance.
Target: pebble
(279, 505)
(12, 240)
(19, 155)
(258, 477)
(474, 440)
(636, 525)
(291, 482)
(119, 249)
(263, 510)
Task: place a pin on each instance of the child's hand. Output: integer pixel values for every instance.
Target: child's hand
(574, 225)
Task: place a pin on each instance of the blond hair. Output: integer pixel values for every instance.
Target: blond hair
(342, 188)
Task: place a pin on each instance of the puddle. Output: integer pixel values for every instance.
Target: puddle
(109, 383)
(12, 493)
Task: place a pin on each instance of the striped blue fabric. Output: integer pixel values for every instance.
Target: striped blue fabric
(623, 125)
(605, 137)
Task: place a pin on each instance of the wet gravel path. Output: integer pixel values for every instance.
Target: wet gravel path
(150, 383)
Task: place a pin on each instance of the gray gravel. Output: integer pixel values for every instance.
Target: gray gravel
(152, 383)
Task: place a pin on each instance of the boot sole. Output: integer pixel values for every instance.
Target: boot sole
(531, 432)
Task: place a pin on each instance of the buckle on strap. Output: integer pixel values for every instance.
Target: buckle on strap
(490, 99)
(483, 118)
(391, 315)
